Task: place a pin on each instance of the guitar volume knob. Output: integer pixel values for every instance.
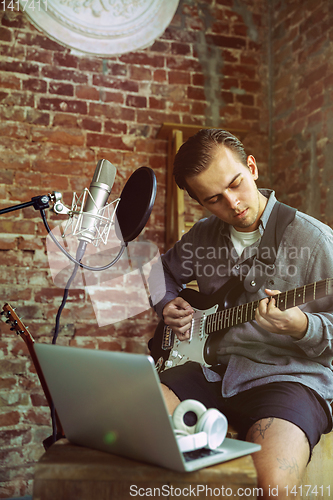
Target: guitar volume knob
(174, 353)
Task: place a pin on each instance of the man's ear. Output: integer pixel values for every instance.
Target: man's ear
(252, 166)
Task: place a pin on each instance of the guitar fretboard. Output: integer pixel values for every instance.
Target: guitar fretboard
(246, 312)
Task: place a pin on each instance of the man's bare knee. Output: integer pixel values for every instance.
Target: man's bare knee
(170, 398)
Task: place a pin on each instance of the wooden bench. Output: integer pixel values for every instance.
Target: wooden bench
(67, 471)
(70, 472)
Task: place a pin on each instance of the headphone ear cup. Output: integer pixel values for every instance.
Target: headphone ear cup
(215, 425)
(185, 406)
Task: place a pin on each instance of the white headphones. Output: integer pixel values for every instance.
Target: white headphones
(208, 432)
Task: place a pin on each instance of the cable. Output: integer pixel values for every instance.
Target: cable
(77, 261)
(103, 268)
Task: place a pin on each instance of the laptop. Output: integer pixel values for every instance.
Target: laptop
(112, 401)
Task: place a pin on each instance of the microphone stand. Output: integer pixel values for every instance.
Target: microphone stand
(41, 203)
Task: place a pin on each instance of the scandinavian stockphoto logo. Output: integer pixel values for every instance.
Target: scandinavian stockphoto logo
(209, 261)
(116, 293)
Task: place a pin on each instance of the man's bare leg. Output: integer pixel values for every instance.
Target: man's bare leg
(170, 398)
(282, 459)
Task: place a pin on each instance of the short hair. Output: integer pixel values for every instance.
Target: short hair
(196, 154)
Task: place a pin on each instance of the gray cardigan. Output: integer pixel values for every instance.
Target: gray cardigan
(253, 356)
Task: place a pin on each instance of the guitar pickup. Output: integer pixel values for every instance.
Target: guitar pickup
(168, 338)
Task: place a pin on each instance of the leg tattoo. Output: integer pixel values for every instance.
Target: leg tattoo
(260, 428)
(291, 466)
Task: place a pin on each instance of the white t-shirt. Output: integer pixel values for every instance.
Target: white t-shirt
(242, 239)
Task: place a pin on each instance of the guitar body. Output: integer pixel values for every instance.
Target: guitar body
(22, 330)
(167, 351)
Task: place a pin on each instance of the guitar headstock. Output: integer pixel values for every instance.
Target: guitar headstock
(16, 323)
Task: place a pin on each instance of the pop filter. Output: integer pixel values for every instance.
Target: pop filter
(136, 203)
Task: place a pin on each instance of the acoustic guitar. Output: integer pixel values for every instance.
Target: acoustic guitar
(214, 315)
(22, 330)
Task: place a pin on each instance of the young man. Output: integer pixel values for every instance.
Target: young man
(273, 376)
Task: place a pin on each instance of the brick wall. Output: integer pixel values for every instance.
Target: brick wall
(302, 110)
(59, 114)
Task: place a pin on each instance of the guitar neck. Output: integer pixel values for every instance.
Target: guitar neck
(246, 312)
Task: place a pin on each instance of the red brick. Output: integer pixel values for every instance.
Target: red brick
(160, 75)
(239, 71)
(116, 69)
(8, 81)
(159, 46)
(20, 67)
(19, 99)
(179, 35)
(94, 65)
(117, 97)
(198, 79)
(110, 82)
(18, 131)
(41, 41)
(183, 64)
(12, 21)
(179, 77)
(65, 59)
(111, 112)
(247, 99)
(55, 73)
(5, 35)
(34, 85)
(228, 83)
(143, 59)
(179, 107)
(182, 49)
(196, 93)
(9, 418)
(90, 124)
(157, 103)
(251, 86)
(231, 42)
(64, 120)
(134, 101)
(87, 93)
(140, 73)
(107, 141)
(156, 116)
(71, 137)
(38, 399)
(57, 104)
(59, 167)
(199, 108)
(250, 113)
(39, 55)
(59, 88)
(112, 127)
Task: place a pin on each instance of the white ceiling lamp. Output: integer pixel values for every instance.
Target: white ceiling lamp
(101, 27)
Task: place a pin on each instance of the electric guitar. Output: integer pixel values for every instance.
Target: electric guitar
(213, 316)
(18, 326)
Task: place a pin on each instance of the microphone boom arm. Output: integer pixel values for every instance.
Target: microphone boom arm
(38, 202)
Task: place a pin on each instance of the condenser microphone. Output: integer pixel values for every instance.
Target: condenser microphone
(99, 191)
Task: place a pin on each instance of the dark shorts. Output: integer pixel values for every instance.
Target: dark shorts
(290, 401)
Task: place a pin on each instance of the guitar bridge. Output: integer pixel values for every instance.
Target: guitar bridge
(168, 338)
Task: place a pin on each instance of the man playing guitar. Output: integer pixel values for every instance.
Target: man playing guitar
(273, 375)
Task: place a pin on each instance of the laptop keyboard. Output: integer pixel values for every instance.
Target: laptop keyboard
(202, 453)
